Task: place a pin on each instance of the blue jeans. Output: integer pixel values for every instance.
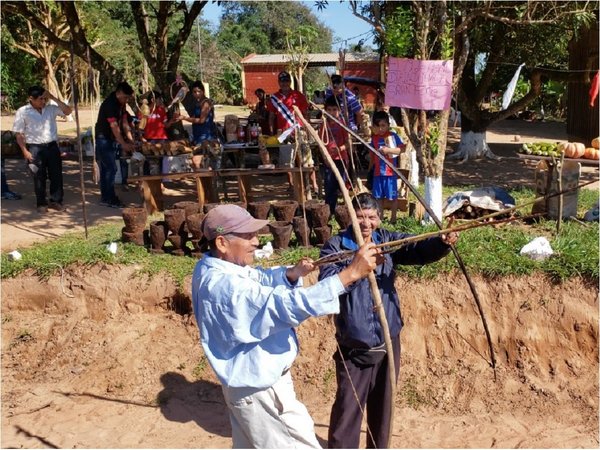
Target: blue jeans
(331, 185)
(5, 187)
(106, 154)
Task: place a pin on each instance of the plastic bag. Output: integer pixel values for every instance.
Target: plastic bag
(538, 249)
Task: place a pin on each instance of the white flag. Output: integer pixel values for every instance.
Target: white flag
(510, 89)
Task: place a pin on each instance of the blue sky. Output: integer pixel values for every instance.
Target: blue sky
(346, 27)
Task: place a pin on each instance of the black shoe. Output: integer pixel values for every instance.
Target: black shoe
(56, 206)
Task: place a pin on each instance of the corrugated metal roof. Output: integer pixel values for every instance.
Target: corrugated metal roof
(314, 58)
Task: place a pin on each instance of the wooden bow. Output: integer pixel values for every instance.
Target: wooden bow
(377, 303)
(439, 225)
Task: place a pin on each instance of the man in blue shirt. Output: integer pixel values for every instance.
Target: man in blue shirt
(361, 362)
(247, 317)
(355, 110)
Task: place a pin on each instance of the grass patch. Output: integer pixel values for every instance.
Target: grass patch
(412, 396)
(488, 251)
(200, 368)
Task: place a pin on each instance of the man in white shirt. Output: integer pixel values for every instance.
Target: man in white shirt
(35, 128)
(247, 316)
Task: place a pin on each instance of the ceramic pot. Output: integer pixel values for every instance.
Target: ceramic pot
(282, 232)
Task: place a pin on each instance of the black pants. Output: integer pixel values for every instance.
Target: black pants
(47, 160)
(373, 388)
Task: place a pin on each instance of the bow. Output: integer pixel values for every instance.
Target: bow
(440, 226)
(377, 303)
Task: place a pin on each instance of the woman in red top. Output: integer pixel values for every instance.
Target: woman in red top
(155, 131)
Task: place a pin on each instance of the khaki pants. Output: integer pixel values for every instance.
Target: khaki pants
(269, 418)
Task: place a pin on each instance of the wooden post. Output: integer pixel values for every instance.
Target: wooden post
(200, 192)
(243, 188)
(152, 192)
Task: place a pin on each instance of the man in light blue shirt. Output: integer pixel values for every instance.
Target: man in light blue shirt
(247, 317)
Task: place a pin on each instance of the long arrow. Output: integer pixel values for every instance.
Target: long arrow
(392, 245)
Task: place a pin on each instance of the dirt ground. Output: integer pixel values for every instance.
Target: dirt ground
(104, 358)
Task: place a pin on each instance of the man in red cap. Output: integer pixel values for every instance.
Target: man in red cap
(280, 106)
(247, 316)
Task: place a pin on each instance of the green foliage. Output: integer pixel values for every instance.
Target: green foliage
(49, 258)
(262, 26)
(18, 70)
(433, 138)
(399, 40)
(489, 251)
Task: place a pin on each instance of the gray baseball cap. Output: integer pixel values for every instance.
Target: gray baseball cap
(225, 219)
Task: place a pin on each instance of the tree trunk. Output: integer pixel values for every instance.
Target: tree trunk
(433, 197)
(414, 167)
(473, 144)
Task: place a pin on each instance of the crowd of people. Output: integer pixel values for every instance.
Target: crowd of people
(247, 315)
(117, 132)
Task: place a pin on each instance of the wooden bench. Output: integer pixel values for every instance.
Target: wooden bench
(153, 196)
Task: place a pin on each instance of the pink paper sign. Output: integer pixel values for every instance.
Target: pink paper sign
(419, 84)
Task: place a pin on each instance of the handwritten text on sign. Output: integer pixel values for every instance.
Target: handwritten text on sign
(418, 84)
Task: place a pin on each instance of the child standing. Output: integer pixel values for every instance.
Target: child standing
(336, 139)
(385, 184)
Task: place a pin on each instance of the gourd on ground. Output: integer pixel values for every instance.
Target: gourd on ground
(572, 149)
(591, 153)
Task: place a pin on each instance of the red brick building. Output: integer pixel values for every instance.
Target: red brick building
(260, 71)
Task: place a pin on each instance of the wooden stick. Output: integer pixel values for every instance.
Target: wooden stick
(391, 245)
(79, 147)
(375, 294)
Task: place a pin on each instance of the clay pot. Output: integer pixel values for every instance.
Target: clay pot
(189, 207)
(194, 222)
(284, 210)
(175, 219)
(322, 234)
(342, 216)
(158, 236)
(178, 244)
(209, 206)
(302, 231)
(196, 244)
(136, 237)
(259, 210)
(317, 214)
(135, 219)
(282, 232)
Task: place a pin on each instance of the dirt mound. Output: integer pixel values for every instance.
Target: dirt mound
(104, 357)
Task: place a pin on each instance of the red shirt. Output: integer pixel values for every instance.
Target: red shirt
(294, 98)
(335, 136)
(155, 125)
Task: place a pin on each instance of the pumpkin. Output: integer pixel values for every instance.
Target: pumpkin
(596, 142)
(572, 149)
(591, 153)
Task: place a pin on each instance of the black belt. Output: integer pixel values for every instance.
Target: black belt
(48, 144)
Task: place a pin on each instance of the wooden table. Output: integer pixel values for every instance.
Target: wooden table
(153, 196)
